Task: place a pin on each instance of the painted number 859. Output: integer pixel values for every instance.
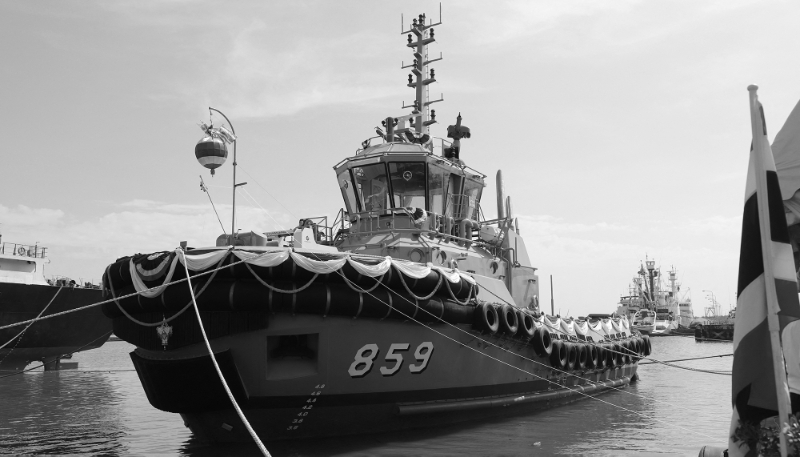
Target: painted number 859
(365, 357)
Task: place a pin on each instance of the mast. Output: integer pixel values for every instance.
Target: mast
(423, 35)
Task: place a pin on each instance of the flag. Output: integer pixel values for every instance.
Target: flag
(766, 281)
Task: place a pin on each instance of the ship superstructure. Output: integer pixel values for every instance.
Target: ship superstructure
(654, 306)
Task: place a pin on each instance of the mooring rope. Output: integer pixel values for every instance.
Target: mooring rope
(19, 335)
(174, 316)
(216, 366)
(528, 372)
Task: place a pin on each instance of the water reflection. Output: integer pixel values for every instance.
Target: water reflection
(102, 409)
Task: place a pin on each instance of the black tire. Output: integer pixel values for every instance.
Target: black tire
(647, 347)
(611, 356)
(508, 319)
(542, 342)
(583, 356)
(558, 357)
(526, 328)
(572, 355)
(593, 355)
(486, 318)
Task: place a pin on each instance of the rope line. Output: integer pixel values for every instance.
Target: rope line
(174, 316)
(216, 366)
(19, 335)
(527, 372)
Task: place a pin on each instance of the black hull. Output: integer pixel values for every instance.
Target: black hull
(47, 339)
(471, 375)
(714, 332)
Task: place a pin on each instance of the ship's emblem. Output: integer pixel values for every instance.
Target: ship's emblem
(164, 332)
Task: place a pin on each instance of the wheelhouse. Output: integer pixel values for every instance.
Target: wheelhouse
(407, 177)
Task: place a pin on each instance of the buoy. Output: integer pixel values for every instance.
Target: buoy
(211, 152)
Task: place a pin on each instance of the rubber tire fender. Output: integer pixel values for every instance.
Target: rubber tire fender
(486, 318)
(647, 347)
(508, 319)
(611, 356)
(619, 355)
(542, 342)
(558, 356)
(572, 355)
(583, 356)
(592, 355)
(525, 326)
(601, 355)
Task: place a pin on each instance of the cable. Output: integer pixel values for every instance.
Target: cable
(205, 189)
(253, 199)
(19, 335)
(523, 370)
(265, 190)
(216, 366)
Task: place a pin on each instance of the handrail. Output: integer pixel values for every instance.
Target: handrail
(24, 250)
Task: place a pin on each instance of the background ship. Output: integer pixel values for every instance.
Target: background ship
(655, 308)
(25, 294)
(410, 309)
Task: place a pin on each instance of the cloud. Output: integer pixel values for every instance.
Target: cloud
(83, 248)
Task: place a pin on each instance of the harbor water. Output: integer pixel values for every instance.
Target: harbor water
(100, 409)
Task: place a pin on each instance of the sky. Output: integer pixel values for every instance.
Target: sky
(621, 126)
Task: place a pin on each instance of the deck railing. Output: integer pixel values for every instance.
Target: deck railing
(23, 250)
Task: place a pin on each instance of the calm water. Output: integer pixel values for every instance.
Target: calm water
(101, 409)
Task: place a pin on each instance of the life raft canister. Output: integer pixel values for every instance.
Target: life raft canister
(486, 318)
(542, 342)
(558, 357)
(526, 327)
(508, 319)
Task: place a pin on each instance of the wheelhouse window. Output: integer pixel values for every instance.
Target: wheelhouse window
(472, 197)
(348, 193)
(408, 184)
(438, 180)
(372, 187)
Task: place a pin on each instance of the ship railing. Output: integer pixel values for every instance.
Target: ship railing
(23, 250)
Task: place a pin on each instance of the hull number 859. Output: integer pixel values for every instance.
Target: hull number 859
(365, 359)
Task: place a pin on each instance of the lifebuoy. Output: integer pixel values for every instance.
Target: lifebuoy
(558, 357)
(542, 342)
(486, 318)
(20, 251)
(583, 355)
(508, 319)
(525, 325)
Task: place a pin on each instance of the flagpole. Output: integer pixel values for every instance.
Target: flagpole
(758, 126)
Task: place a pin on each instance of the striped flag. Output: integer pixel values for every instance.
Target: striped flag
(767, 285)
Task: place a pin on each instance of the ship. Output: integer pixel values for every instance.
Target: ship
(26, 295)
(410, 309)
(654, 308)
